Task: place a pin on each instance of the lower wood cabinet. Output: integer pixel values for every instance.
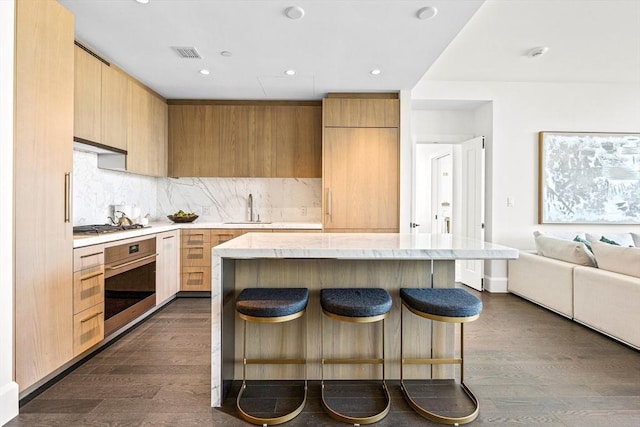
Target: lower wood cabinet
(167, 265)
(88, 297)
(195, 260)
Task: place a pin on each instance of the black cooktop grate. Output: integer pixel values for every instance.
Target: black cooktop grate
(103, 228)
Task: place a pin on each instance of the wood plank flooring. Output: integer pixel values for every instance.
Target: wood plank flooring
(527, 366)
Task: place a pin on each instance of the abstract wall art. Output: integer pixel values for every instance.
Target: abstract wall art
(589, 178)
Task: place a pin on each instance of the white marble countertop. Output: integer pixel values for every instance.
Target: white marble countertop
(360, 246)
(159, 227)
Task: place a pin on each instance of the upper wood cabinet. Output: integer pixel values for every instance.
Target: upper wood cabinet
(361, 112)
(115, 109)
(147, 134)
(245, 139)
(43, 137)
(87, 96)
(361, 167)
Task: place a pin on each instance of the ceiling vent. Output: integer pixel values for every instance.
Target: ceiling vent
(188, 52)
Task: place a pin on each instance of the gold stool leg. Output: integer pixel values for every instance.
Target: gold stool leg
(344, 417)
(264, 421)
(411, 401)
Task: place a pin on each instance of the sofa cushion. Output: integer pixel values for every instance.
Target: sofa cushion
(618, 259)
(636, 239)
(623, 239)
(566, 235)
(564, 250)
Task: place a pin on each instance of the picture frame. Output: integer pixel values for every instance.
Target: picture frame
(588, 178)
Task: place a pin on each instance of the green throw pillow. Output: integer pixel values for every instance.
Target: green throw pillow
(585, 241)
(609, 241)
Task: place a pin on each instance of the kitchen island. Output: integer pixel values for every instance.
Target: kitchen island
(325, 260)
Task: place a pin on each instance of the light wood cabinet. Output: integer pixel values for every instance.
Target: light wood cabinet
(43, 136)
(87, 122)
(361, 166)
(147, 134)
(115, 108)
(167, 265)
(361, 112)
(195, 260)
(245, 139)
(88, 297)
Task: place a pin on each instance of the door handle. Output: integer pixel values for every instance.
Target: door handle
(413, 225)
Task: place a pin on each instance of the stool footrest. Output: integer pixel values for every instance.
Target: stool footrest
(444, 419)
(275, 361)
(352, 361)
(358, 420)
(269, 420)
(432, 361)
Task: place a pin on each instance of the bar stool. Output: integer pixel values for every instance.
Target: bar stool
(453, 305)
(271, 305)
(357, 305)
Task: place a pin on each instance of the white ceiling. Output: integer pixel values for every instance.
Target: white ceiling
(333, 47)
(590, 41)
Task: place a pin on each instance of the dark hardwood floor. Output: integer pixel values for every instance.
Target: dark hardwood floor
(527, 366)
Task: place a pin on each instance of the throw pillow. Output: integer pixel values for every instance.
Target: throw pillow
(636, 239)
(564, 250)
(585, 241)
(623, 239)
(617, 258)
(609, 241)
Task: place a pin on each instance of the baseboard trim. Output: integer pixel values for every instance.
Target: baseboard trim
(8, 402)
(496, 285)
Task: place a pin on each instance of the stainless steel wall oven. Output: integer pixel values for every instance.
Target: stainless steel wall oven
(130, 282)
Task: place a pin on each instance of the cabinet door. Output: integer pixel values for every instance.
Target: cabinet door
(361, 179)
(364, 112)
(43, 157)
(147, 132)
(193, 148)
(87, 96)
(298, 141)
(167, 265)
(114, 107)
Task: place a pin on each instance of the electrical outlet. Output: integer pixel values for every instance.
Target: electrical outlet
(303, 211)
(206, 210)
(509, 202)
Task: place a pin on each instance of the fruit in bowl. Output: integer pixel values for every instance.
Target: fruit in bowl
(182, 216)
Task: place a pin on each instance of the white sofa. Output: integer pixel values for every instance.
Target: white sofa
(605, 298)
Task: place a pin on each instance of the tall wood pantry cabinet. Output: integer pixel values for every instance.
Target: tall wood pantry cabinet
(361, 164)
(42, 178)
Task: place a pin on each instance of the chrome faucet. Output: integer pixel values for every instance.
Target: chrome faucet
(250, 207)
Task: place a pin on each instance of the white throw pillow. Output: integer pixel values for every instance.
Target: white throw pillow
(567, 235)
(636, 238)
(619, 259)
(564, 250)
(623, 239)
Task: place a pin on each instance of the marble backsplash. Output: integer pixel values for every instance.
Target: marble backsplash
(95, 190)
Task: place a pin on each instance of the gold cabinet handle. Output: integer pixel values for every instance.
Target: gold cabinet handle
(91, 276)
(329, 203)
(91, 317)
(67, 197)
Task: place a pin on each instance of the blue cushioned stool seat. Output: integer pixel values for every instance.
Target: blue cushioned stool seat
(355, 302)
(446, 302)
(272, 302)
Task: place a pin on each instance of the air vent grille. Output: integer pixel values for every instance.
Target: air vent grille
(188, 52)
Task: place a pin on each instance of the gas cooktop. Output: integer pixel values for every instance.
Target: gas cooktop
(104, 228)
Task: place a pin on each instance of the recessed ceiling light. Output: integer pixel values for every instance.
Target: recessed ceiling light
(294, 12)
(427, 12)
(205, 72)
(143, 1)
(290, 72)
(375, 72)
(537, 51)
(226, 53)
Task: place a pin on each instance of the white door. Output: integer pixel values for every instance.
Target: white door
(472, 218)
(441, 194)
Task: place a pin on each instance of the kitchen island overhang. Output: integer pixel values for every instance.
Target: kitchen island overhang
(322, 260)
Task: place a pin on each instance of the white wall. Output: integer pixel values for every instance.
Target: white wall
(8, 388)
(520, 110)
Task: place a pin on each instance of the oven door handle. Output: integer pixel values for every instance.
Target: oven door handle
(125, 264)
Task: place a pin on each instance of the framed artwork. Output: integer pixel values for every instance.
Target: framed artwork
(589, 178)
